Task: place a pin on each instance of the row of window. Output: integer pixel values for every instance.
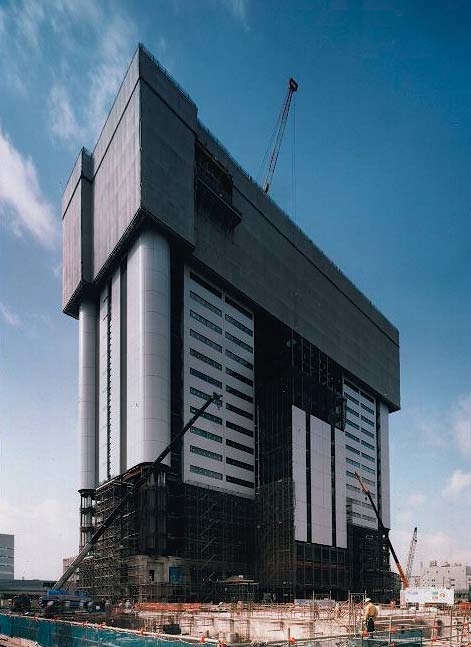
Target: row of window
(230, 407)
(206, 322)
(359, 453)
(229, 424)
(218, 383)
(218, 439)
(207, 304)
(218, 476)
(239, 342)
(212, 326)
(357, 402)
(350, 461)
(218, 457)
(357, 390)
(368, 421)
(218, 294)
(218, 347)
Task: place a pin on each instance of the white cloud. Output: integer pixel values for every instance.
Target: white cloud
(47, 528)
(416, 500)
(22, 204)
(63, 123)
(457, 484)
(9, 316)
(461, 424)
(238, 8)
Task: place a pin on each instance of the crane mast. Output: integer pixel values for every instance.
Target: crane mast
(410, 558)
(280, 130)
(402, 575)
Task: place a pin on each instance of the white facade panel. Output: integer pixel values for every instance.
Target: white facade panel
(385, 485)
(103, 386)
(218, 356)
(321, 484)
(299, 473)
(87, 394)
(340, 490)
(148, 348)
(115, 376)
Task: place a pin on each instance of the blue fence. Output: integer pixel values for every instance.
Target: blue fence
(51, 633)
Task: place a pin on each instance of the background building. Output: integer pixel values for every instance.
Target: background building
(7, 557)
(447, 575)
(187, 279)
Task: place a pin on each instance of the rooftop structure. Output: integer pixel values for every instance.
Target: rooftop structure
(7, 557)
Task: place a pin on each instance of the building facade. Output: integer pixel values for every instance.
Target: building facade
(449, 575)
(7, 557)
(186, 279)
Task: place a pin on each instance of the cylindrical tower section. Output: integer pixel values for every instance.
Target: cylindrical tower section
(87, 394)
(148, 348)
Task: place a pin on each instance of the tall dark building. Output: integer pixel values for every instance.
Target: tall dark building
(187, 279)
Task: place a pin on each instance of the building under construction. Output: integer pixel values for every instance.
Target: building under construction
(187, 279)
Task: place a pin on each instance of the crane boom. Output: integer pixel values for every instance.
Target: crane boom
(280, 130)
(404, 579)
(147, 471)
(410, 557)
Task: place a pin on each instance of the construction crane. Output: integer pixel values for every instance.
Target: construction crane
(146, 472)
(404, 578)
(279, 130)
(410, 558)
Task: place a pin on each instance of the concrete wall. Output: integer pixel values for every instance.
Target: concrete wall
(144, 161)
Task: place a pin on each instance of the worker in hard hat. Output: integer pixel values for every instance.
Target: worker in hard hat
(370, 612)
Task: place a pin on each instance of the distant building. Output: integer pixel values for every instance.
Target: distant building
(7, 557)
(447, 575)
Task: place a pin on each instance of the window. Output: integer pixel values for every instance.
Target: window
(206, 453)
(368, 458)
(350, 474)
(208, 416)
(205, 340)
(353, 424)
(239, 342)
(241, 430)
(367, 397)
(238, 325)
(354, 413)
(201, 470)
(236, 358)
(205, 359)
(368, 422)
(241, 412)
(354, 488)
(352, 437)
(239, 394)
(369, 481)
(368, 469)
(368, 518)
(242, 448)
(354, 400)
(205, 322)
(352, 449)
(240, 309)
(199, 394)
(350, 385)
(233, 479)
(206, 434)
(206, 378)
(363, 406)
(352, 462)
(239, 377)
(241, 464)
(206, 304)
(205, 285)
(363, 442)
(368, 433)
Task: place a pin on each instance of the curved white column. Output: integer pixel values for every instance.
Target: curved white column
(148, 348)
(87, 394)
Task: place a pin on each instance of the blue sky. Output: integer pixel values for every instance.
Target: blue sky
(382, 159)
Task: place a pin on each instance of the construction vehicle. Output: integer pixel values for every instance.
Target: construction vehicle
(146, 473)
(402, 575)
(410, 557)
(279, 132)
